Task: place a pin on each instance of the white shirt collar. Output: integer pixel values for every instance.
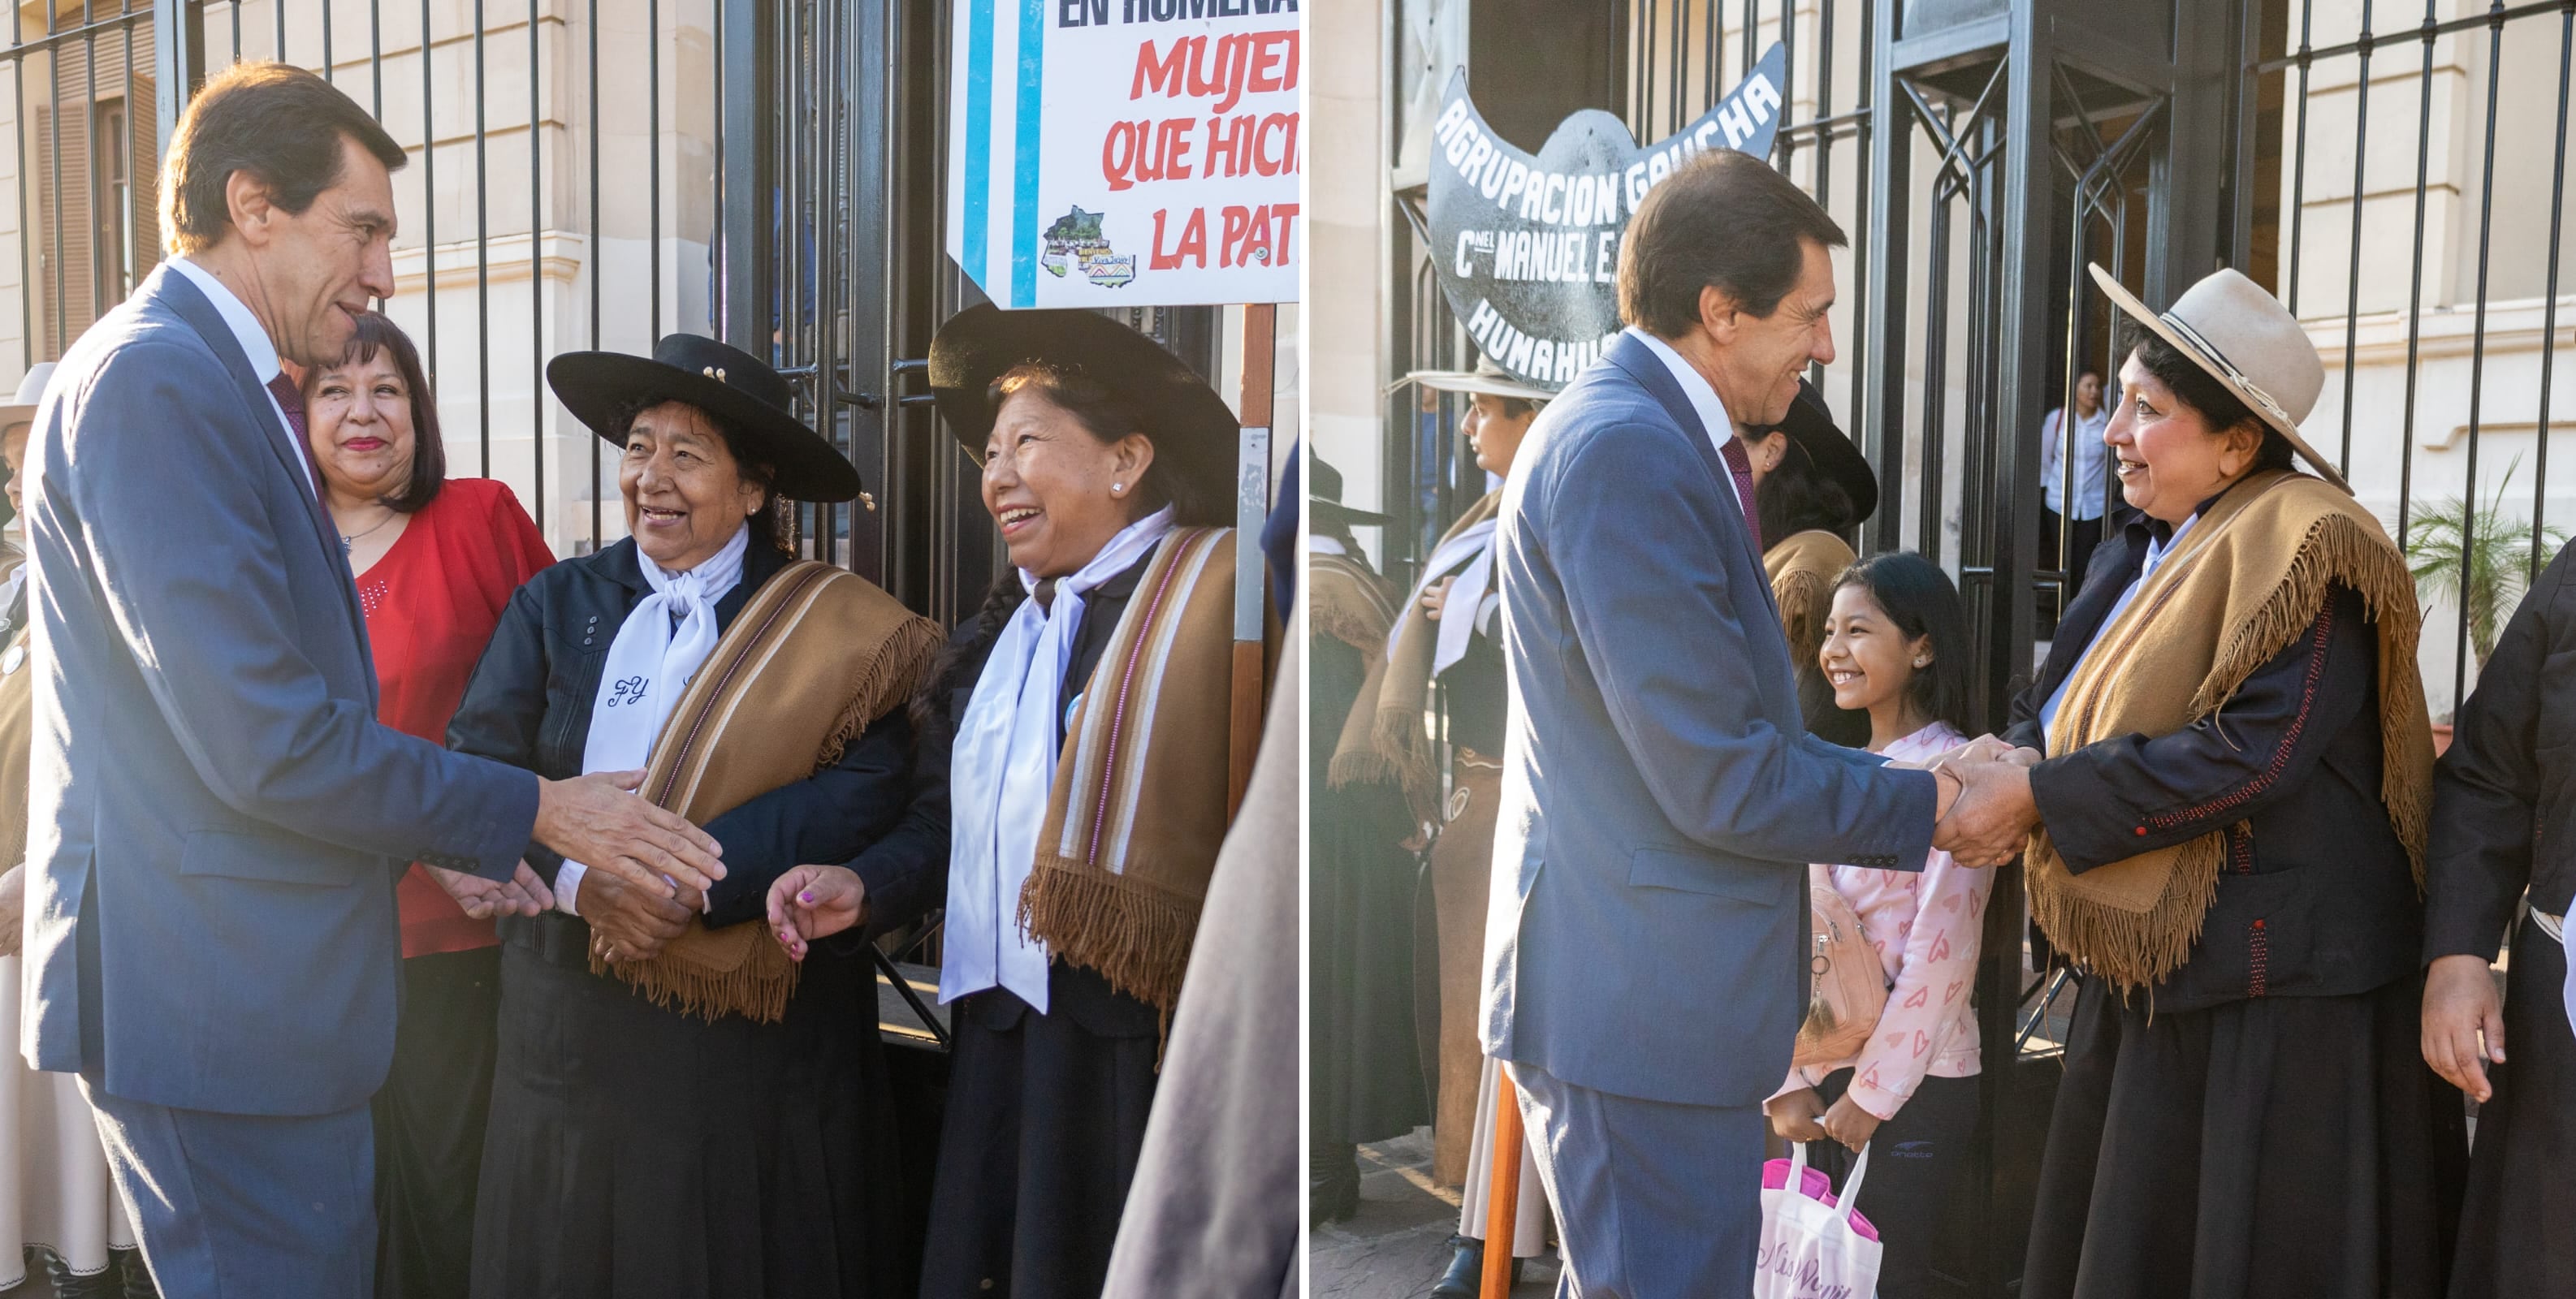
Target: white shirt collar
(246, 328)
(1324, 546)
(2159, 551)
(1703, 398)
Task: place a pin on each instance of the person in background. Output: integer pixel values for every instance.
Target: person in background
(1896, 652)
(60, 1213)
(1811, 488)
(2504, 862)
(2230, 764)
(678, 1110)
(435, 559)
(1448, 631)
(1364, 1082)
(1075, 829)
(2089, 467)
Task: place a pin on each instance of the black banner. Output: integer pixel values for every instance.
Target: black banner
(1528, 248)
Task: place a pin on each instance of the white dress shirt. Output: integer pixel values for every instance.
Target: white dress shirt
(1703, 398)
(2092, 463)
(253, 338)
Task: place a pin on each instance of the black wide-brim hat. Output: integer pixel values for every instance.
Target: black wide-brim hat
(1810, 424)
(1324, 498)
(755, 403)
(1192, 429)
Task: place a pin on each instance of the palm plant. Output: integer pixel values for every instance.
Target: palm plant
(2496, 550)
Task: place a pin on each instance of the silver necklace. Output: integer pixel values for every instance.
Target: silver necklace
(349, 540)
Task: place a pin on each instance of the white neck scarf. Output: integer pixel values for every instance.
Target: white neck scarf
(1002, 771)
(1473, 547)
(658, 649)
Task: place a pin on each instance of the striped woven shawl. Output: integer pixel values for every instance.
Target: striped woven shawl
(816, 654)
(1138, 810)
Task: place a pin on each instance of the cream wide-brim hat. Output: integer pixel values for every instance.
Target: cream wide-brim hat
(2243, 336)
(1487, 378)
(31, 394)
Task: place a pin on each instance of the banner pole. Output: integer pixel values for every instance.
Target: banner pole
(1503, 1194)
(1251, 510)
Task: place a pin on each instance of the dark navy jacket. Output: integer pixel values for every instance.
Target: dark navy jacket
(906, 872)
(529, 704)
(2504, 797)
(1661, 796)
(2317, 897)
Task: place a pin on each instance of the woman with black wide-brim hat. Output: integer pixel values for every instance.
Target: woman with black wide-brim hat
(678, 1109)
(1811, 487)
(1082, 823)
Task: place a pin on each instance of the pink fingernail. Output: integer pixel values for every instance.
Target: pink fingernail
(806, 897)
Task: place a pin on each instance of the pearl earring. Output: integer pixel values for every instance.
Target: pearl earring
(1117, 488)
(1922, 663)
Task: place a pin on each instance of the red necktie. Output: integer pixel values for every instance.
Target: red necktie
(1742, 465)
(291, 400)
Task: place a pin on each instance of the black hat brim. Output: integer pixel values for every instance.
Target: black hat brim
(597, 386)
(1334, 512)
(1192, 428)
(1810, 424)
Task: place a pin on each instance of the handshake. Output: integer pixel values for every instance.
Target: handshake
(1985, 812)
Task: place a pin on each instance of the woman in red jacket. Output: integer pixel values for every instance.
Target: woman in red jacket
(435, 561)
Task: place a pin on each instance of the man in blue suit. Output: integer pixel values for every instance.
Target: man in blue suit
(1660, 798)
(217, 820)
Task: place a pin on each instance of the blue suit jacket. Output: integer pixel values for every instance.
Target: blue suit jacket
(1660, 798)
(216, 819)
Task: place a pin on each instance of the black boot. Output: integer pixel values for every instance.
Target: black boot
(1332, 1183)
(1465, 1278)
(138, 1277)
(1466, 1275)
(69, 1285)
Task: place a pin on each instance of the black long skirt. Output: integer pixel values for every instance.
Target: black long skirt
(429, 1123)
(2274, 1147)
(636, 1153)
(2518, 1230)
(1046, 1118)
(1365, 1080)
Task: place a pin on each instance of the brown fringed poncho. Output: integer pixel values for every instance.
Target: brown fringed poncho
(816, 654)
(1399, 736)
(1351, 604)
(1138, 810)
(2248, 579)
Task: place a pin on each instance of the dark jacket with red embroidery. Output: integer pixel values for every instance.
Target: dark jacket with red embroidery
(2317, 898)
(2504, 797)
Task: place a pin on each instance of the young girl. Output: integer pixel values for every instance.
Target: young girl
(1896, 647)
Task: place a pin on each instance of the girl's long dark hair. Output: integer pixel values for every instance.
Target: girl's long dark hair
(1918, 598)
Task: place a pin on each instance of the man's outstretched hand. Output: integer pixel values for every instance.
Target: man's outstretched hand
(598, 819)
(1988, 817)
